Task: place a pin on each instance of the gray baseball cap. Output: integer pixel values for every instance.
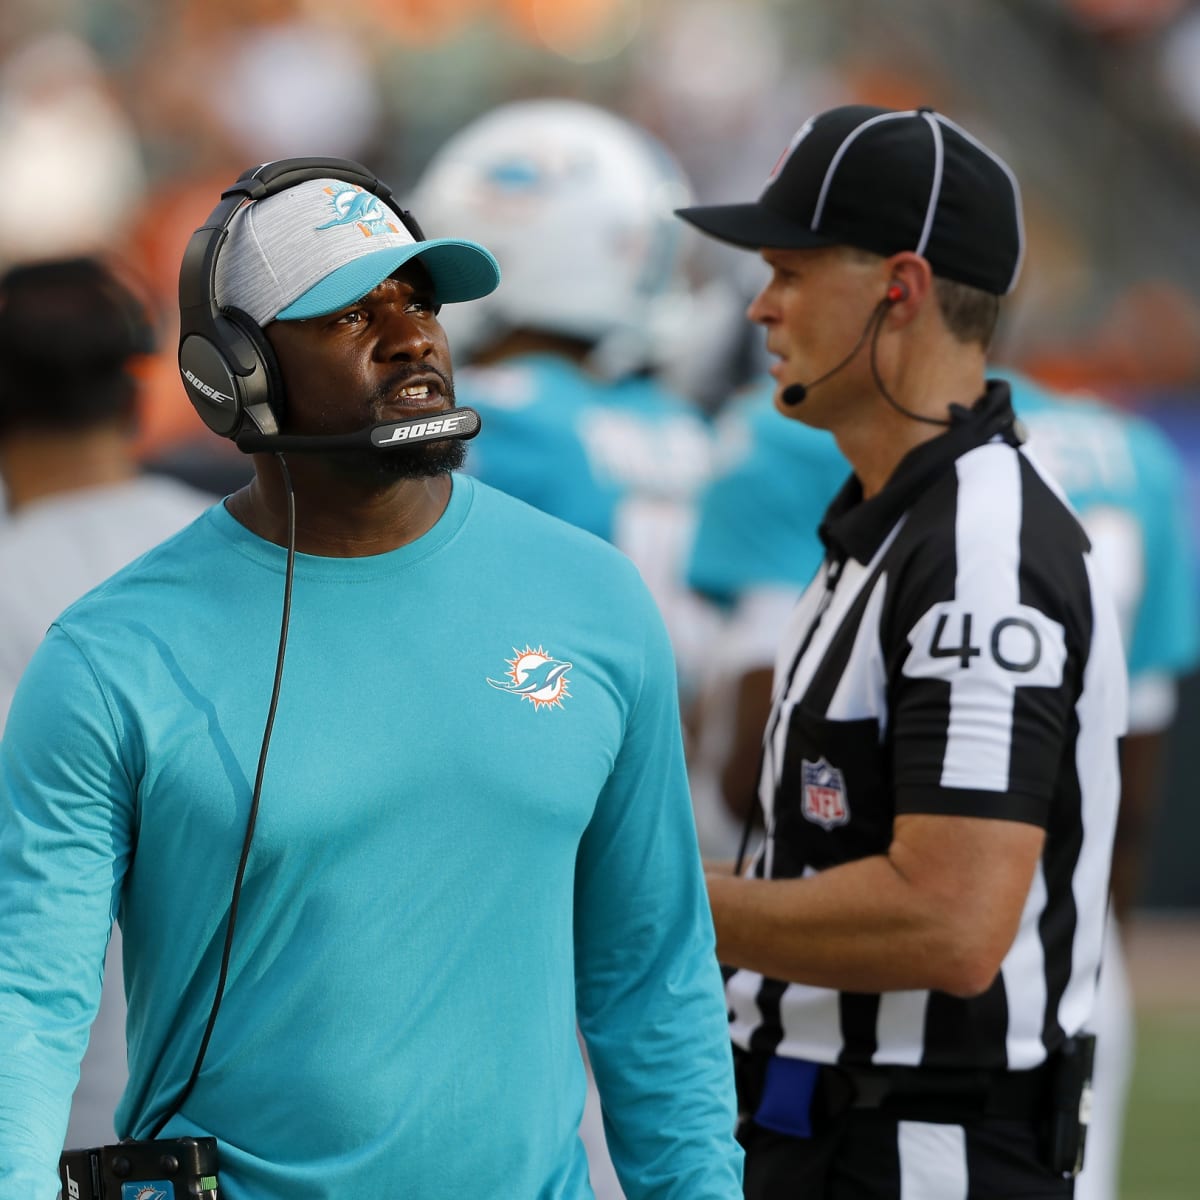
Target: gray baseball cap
(323, 244)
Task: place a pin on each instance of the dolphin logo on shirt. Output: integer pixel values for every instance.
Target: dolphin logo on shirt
(536, 676)
(543, 676)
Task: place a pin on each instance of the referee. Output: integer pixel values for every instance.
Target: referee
(912, 958)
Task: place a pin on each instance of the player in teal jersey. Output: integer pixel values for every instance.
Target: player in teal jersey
(755, 547)
(763, 465)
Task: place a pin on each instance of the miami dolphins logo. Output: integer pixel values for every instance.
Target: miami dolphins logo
(536, 677)
(146, 1191)
(353, 206)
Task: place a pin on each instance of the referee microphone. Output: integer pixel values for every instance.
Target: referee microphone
(795, 393)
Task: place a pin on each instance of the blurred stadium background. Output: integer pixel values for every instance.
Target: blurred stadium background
(120, 120)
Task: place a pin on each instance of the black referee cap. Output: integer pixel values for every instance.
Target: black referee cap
(885, 181)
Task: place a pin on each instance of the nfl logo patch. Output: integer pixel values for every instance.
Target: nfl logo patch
(825, 801)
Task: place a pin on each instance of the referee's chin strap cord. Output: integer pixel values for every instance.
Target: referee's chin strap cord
(908, 412)
(252, 819)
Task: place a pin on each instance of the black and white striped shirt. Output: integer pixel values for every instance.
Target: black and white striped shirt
(952, 656)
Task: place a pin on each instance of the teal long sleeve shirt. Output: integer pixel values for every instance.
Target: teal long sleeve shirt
(475, 835)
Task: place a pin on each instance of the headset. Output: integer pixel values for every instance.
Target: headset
(897, 292)
(228, 367)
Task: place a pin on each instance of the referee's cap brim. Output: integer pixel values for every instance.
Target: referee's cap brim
(753, 227)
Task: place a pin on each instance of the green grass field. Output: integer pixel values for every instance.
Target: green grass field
(1162, 1132)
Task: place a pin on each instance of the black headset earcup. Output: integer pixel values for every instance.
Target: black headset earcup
(264, 386)
(210, 383)
(233, 382)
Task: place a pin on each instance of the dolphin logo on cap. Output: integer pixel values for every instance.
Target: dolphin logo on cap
(353, 206)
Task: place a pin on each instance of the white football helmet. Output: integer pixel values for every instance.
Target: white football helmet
(577, 205)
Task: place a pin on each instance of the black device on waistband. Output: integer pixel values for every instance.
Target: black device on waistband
(174, 1167)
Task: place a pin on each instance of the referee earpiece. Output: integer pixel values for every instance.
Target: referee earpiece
(896, 292)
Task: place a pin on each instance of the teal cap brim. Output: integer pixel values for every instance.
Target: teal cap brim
(460, 270)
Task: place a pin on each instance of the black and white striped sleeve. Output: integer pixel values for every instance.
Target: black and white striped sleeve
(992, 628)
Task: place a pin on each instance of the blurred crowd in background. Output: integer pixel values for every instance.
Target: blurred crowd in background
(121, 120)
(119, 117)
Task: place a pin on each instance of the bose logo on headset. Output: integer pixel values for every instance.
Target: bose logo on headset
(204, 389)
(424, 429)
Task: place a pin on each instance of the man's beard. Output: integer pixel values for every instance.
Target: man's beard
(422, 460)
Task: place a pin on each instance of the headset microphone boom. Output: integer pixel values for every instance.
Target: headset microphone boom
(795, 393)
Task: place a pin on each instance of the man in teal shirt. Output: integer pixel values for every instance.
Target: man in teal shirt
(473, 828)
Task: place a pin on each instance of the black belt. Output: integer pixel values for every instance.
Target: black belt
(910, 1093)
(930, 1093)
